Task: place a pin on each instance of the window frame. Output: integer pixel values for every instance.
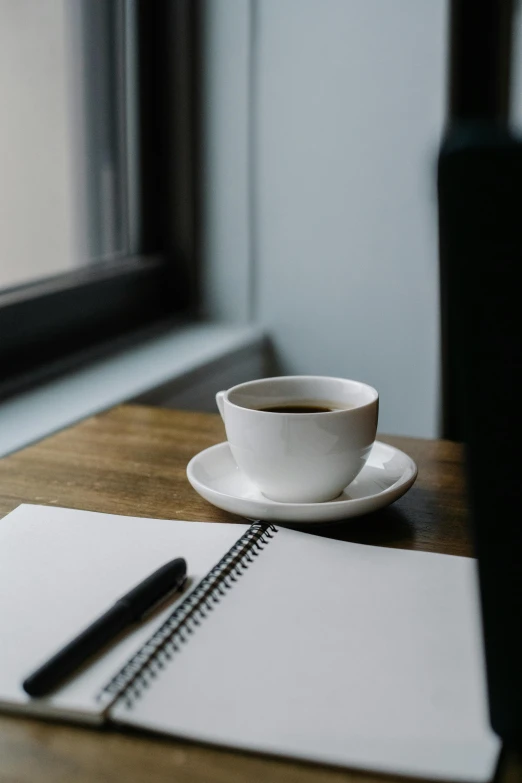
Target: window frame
(55, 322)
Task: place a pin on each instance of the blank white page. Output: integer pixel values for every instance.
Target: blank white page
(61, 568)
(341, 653)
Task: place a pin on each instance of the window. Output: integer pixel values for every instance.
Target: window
(97, 196)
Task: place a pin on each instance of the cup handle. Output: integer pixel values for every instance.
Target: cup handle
(220, 401)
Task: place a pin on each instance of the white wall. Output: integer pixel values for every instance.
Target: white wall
(351, 100)
(349, 104)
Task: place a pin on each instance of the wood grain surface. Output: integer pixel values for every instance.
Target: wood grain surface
(131, 460)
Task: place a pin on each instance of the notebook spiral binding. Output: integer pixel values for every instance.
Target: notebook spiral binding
(141, 670)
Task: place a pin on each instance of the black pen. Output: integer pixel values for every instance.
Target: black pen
(133, 606)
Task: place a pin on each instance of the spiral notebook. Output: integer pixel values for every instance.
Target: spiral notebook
(283, 642)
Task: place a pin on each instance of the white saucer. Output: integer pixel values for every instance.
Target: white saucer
(387, 475)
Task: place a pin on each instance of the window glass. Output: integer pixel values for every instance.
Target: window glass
(67, 92)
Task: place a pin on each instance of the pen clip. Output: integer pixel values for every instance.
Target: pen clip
(163, 600)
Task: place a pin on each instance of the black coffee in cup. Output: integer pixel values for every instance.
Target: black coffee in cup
(305, 407)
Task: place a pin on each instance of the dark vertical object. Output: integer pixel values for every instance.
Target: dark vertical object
(480, 59)
(168, 66)
(480, 227)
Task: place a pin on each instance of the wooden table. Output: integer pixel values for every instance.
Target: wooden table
(131, 460)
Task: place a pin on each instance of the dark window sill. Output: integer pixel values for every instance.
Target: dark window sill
(50, 326)
(161, 367)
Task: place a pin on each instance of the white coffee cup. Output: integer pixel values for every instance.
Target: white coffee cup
(300, 457)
